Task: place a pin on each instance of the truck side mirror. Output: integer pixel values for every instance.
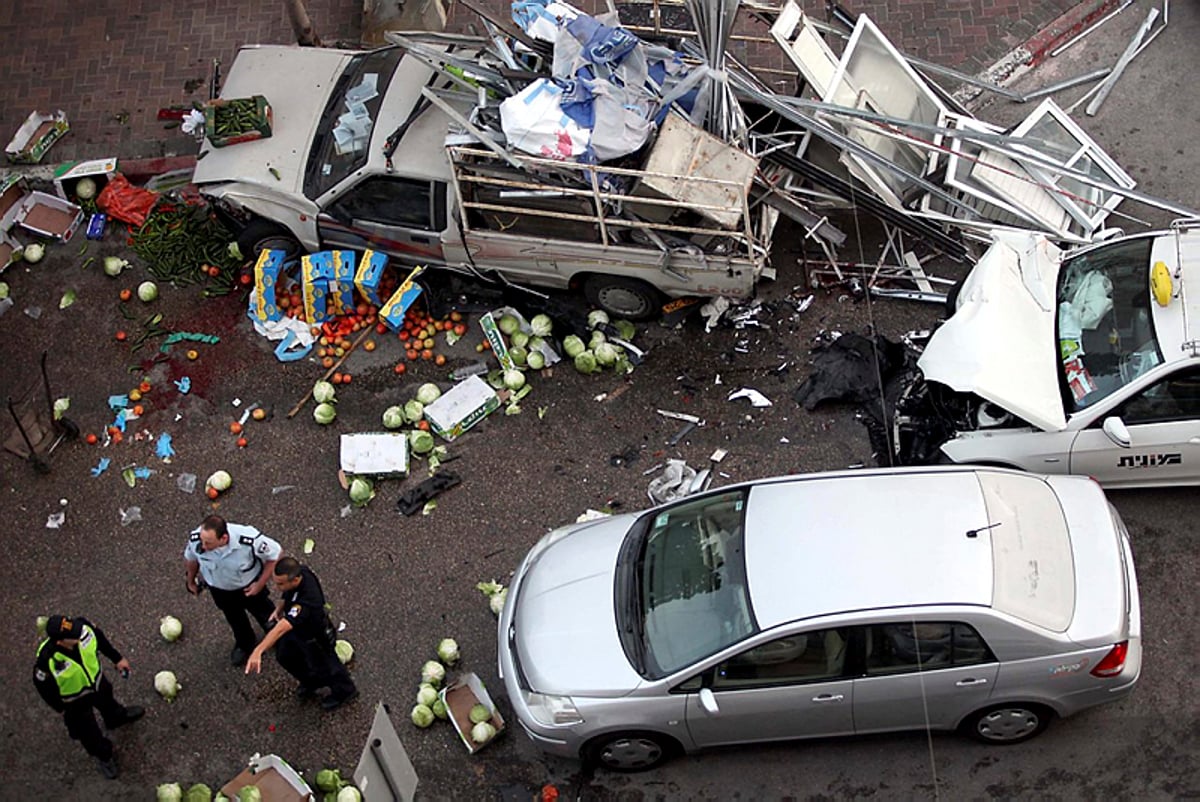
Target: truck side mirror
(1117, 431)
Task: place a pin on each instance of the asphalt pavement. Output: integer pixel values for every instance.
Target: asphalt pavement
(401, 584)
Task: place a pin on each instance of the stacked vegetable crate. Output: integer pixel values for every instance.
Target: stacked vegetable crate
(235, 120)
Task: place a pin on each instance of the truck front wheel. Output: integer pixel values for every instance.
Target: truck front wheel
(623, 297)
(265, 235)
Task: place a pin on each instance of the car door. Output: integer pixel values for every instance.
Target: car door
(1163, 420)
(397, 215)
(919, 674)
(791, 687)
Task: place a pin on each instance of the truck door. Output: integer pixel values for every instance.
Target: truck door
(399, 216)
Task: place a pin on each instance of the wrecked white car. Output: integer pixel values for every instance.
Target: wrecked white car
(1084, 362)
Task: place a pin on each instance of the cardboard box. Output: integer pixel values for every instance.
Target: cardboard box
(274, 778)
(258, 124)
(467, 691)
(383, 454)
(66, 176)
(490, 323)
(316, 271)
(341, 286)
(369, 274)
(49, 216)
(392, 313)
(266, 274)
(461, 407)
(35, 136)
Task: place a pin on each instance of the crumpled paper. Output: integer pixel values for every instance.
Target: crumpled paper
(193, 122)
(673, 483)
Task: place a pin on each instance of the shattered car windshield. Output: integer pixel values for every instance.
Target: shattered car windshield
(690, 579)
(343, 136)
(1106, 333)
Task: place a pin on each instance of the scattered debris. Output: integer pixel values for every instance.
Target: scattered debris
(677, 481)
(757, 399)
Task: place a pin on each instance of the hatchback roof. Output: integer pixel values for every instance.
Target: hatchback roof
(827, 544)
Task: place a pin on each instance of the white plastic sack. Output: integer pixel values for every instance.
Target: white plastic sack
(533, 122)
(543, 20)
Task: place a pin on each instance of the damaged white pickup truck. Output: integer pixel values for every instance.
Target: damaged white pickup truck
(1086, 362)
(432, 182)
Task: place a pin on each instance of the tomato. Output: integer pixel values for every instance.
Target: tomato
(212, 492)
(242, 442)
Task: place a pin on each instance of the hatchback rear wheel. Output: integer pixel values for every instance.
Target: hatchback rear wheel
(1007, 724)
(630, 751)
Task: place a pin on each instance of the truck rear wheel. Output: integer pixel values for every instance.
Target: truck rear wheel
(622, 297)
(265, 235)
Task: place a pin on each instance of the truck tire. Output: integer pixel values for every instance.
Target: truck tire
(262, 235)
(623, 297)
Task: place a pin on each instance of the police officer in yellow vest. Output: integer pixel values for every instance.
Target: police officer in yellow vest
(69, 677)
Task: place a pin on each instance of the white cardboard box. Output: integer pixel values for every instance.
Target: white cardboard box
(375, 454)
(274, 778)
(459, 697)
(461, 407)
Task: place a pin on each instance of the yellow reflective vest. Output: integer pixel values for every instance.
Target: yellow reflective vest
(75, 679)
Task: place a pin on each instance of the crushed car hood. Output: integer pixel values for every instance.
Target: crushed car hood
(288, 77)
(1000, 344)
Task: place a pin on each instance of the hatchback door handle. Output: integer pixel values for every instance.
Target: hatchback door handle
(962, 683)
(829, 697)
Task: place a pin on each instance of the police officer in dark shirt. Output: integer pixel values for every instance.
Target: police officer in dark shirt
(69, 677)
(305, 637)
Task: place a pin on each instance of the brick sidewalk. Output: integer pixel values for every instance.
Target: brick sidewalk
(111, 65)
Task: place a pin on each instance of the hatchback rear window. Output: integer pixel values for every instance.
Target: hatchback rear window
(1032, 566)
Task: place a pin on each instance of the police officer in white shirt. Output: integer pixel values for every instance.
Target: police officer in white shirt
(236, 563)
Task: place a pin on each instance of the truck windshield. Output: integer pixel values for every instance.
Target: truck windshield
(1105, 327)
(342, 139)
(687, 582)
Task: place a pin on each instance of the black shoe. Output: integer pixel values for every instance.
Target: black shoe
(333, 702)
(305, 692)
(132, 713)
(238, 656)
(109, 768)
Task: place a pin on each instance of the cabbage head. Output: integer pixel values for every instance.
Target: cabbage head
(349, 794)
(541, 325)
(427, 695)
(324, 393)
(413, 411)
(428, 393)
(168, 792)
(447, 651)
(345, 651)
(606, 354)
(482, 733)
(361, 491)
(573, 346)
(420, 441)
(393, 417)
(198, 793)
(170, 628)
(433, 673)
(597, 317)
(422, 716)
(249, 793)
(585, 362)
(324, 414)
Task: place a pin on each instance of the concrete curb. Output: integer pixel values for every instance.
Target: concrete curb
(1037, 48)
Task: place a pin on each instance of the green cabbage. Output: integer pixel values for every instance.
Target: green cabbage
(519, 355)
(3, 290)
(519, 339)
(496, 601)
(420, 441)
(447, 651)
(541, 325)
(85, 188)
(514, 379)
(113, 265)
(439, 709)
(413, 411)
(625, 330)
(324, 393)
(585, 362)
(422, 716)
(361, 490)
(249, 793)
(426, 695)
(170, 628)
(147, 291)
(345, 651)
(508, 324)
(34, 253)
(428, 393)
(606, 354)
(349, 794)
(198, 793)
(166, 684)
(483, 732)
(433, 673)
(168, 792)
(535, 360)
(324, 414)
(597, 338)
(479, 713)
(393, 417)
(329, 780)
(596, 317)
(573, 346)
(220, 481)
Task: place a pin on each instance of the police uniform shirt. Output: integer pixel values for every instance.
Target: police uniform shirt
(304, 607)
(236, 564)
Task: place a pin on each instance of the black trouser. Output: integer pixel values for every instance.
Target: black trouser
(314, 663)
(80, 717)
(235, 604)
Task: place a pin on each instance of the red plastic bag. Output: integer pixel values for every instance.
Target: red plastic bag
(123, 201)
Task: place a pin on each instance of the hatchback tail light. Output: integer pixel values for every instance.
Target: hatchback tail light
(1113, 662)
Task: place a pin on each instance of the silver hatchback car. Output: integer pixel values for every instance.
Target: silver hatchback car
(984, 600)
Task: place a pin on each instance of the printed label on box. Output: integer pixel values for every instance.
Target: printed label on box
(341, 288)
(266, 273)
(392, 313)
(461, 407)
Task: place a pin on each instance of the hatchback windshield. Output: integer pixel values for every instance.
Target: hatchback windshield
(688, 580)
(340, 143)
(1105, 327)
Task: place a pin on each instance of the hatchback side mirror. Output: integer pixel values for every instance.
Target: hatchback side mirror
(708, 701)
(1117, 431)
